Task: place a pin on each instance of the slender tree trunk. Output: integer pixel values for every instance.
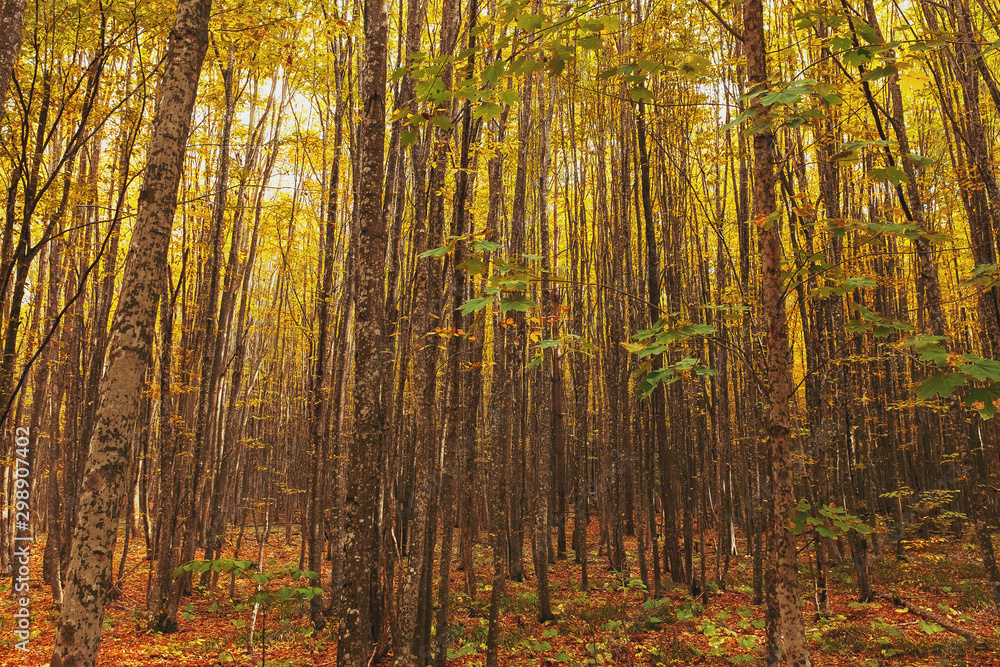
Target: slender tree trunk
(360, 625)
(216, 342)
(11, 28)
(545, 386)
(78, 632)
(498, 423)
(516, 356)
(786, 631)
(162, 618)
(320, 392)
(427, 293)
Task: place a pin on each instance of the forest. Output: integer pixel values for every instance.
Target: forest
(499, 332)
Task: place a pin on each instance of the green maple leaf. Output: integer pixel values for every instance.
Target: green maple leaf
(981, 369)
(476, 304)
(941, 384)
(516, 302)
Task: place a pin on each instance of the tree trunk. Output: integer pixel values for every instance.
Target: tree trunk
(320, 391)
(785, 631)
(360, 624)
(78, 632)
(11, 28)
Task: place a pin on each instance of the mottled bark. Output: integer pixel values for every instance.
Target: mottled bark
(785, 629)
(11, 28)
(360, 623)
(90, 578)
(496, 442)
(545, 379)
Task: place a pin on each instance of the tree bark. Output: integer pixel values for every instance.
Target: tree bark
(11, 29)
(785, 631)
(78, 633)
(360, 624)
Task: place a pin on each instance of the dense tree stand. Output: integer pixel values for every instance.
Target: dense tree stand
(510, 332)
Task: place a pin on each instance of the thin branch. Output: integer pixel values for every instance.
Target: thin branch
(55, 326)
(725, 24)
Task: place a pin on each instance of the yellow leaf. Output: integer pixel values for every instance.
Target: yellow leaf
(912, 81)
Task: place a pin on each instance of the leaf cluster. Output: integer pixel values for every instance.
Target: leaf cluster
(831, 521)
(957, 370)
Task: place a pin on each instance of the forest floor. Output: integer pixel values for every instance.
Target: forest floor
(609, 625)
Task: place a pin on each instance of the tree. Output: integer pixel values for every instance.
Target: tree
(90, 577)
(11, 27)
(786, 635)
(360, 625)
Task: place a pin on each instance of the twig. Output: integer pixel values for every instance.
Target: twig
(933, 617)
(725, 24)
